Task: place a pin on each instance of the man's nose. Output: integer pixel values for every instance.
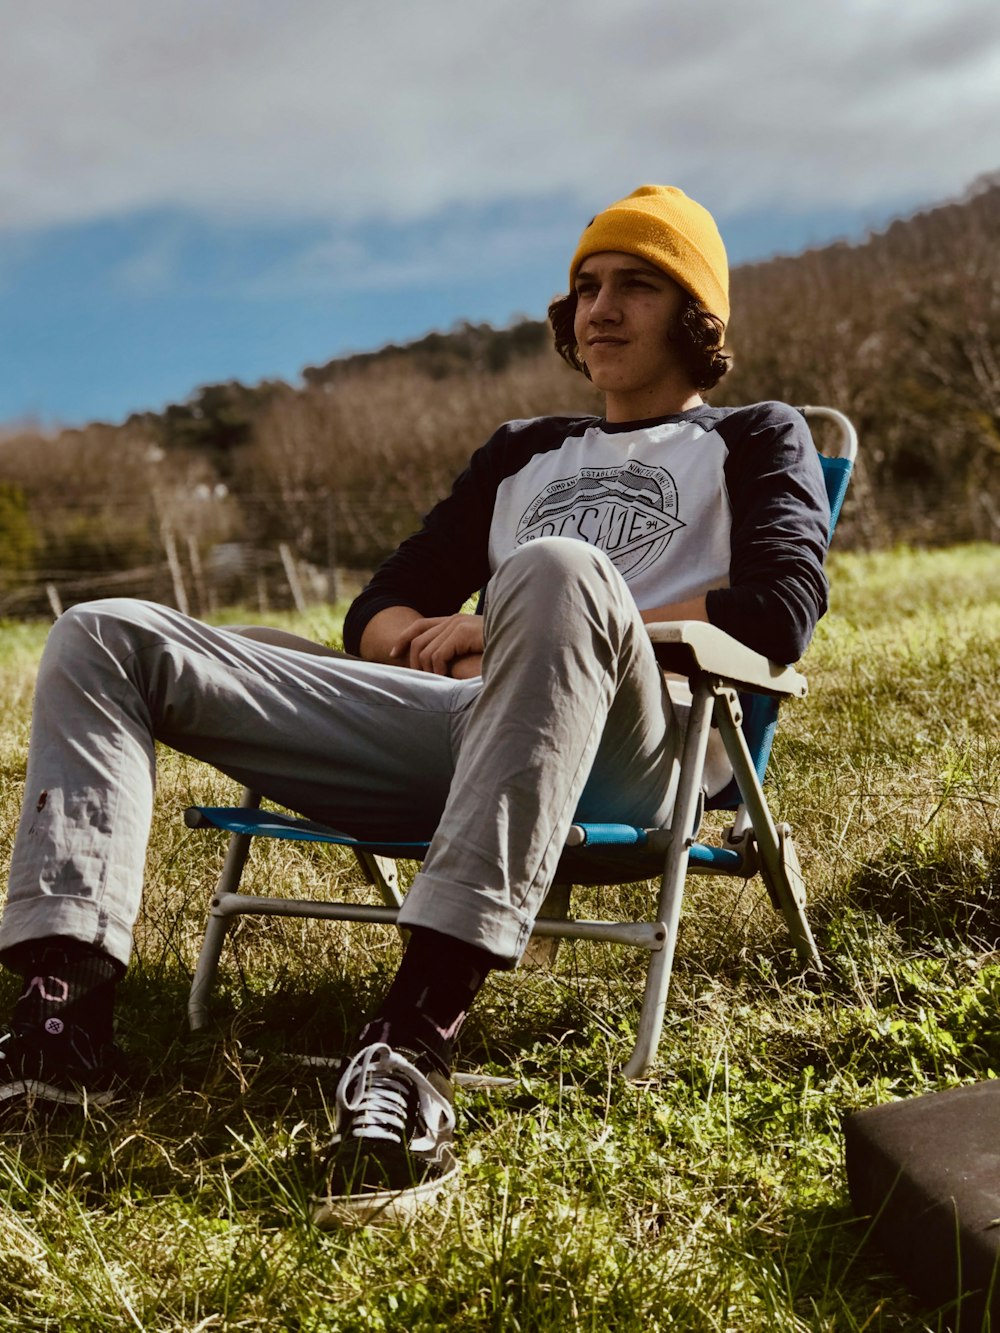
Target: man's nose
(605, 305)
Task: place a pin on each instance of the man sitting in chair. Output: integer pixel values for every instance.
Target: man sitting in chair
(496, 730)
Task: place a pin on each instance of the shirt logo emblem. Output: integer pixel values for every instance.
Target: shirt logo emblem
(629, 513)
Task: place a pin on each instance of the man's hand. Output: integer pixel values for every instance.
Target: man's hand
(444, 645)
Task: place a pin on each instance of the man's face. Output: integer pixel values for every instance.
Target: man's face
(625, 309)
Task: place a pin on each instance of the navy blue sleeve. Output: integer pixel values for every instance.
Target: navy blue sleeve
(437, 569)
(780, 530)
(440, 567)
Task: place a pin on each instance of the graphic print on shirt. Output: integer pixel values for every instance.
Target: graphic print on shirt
(629, 513)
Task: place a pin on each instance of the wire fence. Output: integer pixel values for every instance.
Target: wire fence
(312, 548)
(260, 577)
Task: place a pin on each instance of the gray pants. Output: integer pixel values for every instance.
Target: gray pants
(570, 719)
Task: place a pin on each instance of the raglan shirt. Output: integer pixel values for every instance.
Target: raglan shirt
(729, 502)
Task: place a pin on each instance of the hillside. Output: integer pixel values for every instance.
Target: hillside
(901, 331)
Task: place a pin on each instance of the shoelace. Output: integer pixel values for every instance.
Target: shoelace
(375, 1091)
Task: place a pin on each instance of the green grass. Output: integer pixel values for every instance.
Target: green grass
(712, 1198)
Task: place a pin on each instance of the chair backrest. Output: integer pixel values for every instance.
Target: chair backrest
(760, 712)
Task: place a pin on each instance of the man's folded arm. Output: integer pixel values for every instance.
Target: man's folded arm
(384, 630)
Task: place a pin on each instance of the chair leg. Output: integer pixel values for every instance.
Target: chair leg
(682, 828)
(218, 922)
(205, 971)
(383, 873)
(779, 862)
(783, 877)
(542, 949)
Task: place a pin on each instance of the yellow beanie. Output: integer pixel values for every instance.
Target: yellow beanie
(661, 224)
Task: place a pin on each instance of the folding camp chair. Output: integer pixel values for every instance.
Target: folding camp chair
(732, 688)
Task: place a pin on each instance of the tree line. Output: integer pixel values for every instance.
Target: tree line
(901, 331)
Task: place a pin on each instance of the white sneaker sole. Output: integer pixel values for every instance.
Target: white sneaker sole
(381, 1205)
(36, 1090)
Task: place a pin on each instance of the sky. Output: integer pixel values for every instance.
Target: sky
(202, 190)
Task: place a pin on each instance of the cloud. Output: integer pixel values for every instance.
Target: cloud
(155, 266)
(385, 109)
(449, 248)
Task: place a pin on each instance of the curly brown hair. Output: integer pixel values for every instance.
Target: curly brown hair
(697, 337)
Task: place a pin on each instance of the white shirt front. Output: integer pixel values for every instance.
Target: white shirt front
(652, 498)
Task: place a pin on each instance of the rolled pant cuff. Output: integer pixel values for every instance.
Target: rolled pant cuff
(454, 909)
(74, 918)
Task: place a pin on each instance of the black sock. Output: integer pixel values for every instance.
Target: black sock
(426, 1004)
(67, 984)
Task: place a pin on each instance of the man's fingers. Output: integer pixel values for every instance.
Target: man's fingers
(432, 643)
(424, 648)
(402, 644)
(434, 650)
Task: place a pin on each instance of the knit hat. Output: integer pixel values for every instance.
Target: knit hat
(661, 224)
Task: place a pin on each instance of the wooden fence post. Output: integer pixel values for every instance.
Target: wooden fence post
(333, 585)
(197, 574)
(292, 574)
(180, 592)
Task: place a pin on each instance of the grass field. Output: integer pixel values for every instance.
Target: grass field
(713, 1198)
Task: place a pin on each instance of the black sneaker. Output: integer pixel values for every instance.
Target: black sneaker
(57, 1068)
(392, 1151)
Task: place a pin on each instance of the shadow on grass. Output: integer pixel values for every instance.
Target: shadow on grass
(933, 890)
(235, 1100)
(835, 1277)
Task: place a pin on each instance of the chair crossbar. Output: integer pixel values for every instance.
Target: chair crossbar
(272, 824)
(639, 934)
(714, 860)
(607, 835)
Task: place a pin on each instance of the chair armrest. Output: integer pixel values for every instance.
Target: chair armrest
(690, 646)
